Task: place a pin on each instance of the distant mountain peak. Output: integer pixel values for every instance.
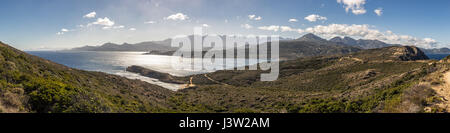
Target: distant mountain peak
(344, 40)
(311, 37)
(362, 43)
(338, 38)
(348, 39)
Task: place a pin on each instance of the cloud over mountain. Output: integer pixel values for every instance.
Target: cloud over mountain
(104, 22)
(270, 28)
(368, 32)
(246, 26)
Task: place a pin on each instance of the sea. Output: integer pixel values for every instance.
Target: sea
(437, 56)
(117, 62)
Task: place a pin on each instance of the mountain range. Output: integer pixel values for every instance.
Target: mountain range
(289, 48)
(437, 51)
(164, 48)
(361, 43)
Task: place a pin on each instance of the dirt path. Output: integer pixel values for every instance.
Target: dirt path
(215, 81)
(188, 85)
(191, 84)
(352, 58)
(443, 91)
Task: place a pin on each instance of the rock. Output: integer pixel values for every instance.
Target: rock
(164, 77)
(445, 60)
(408, 53)
(147, 72)
(369, 73)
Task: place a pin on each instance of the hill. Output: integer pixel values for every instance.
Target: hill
(437, 51)
(160, 46)
(371, 44)
(32, 84)
(376, 80)
(311, 38)
(294, 49)
(361, 43)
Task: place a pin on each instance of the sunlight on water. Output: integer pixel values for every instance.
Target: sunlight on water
(129, 75)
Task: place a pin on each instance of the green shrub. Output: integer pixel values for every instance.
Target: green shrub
(51, 96)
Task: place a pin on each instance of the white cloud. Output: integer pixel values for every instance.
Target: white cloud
(254, 17)
(429, 40)
(258, 18)
(246, 26)
(251, 17)
(90, 15)
(150, 22)
(177, 16)
(132, 29)
(367, 32)
(104, 22)
(314, 18)
(379, 11)
(113, 27)
(276, 28)
(286, 28)
(119, 27)
(63, 30)
(205, 25)
(357, 6)
(359, 11)
(293, 20)
(289, 29)
(270, 28)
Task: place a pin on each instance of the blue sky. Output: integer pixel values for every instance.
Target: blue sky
(59, 24)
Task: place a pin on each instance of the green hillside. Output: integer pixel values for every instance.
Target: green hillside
(377, 80)
(32, 84)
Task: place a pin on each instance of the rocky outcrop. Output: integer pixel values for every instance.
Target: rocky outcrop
(445, 60)
(389, 54)
(409, 53)
(164, 77)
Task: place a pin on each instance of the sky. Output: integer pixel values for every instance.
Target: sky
(62, 24)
